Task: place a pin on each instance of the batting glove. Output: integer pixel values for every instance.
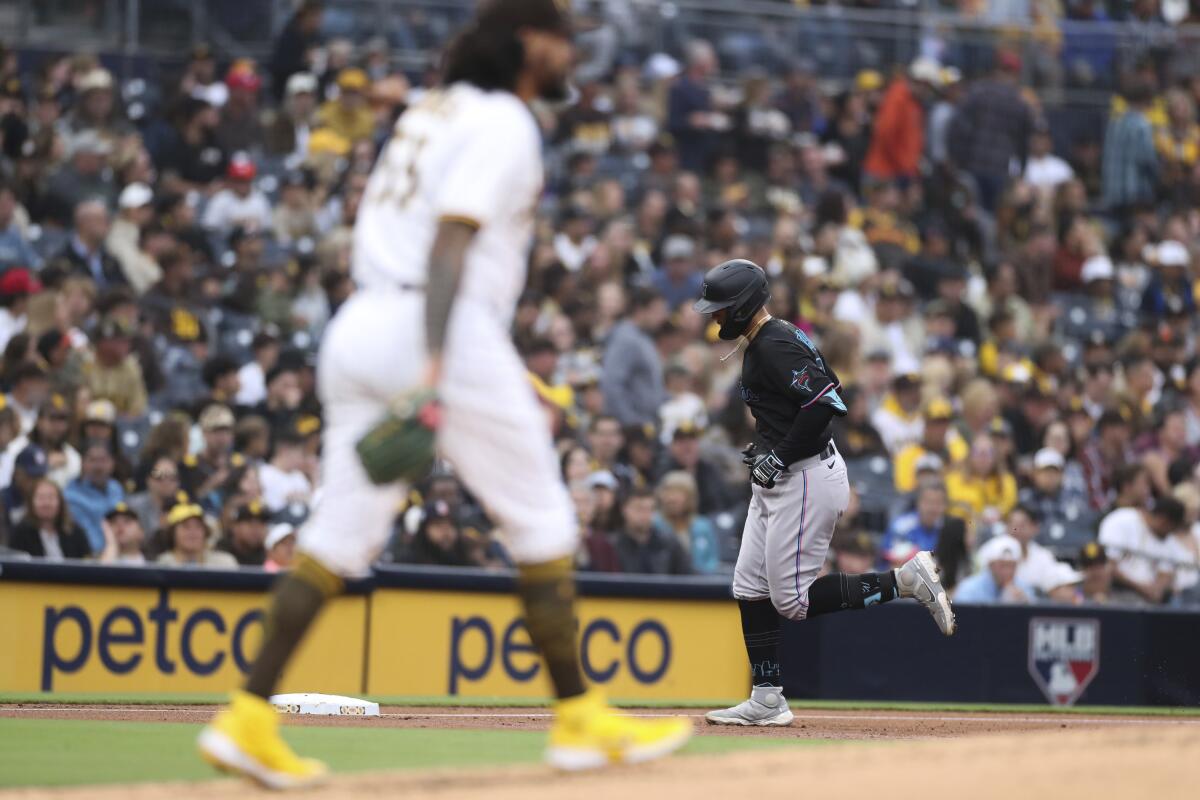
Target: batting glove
(766, 470)
(748, 455)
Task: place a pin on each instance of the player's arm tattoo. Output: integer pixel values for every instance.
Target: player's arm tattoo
(446, 260)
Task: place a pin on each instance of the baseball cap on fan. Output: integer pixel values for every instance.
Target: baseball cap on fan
(1097, 268)
(19, 282)
(1048, 458)
(32, 461)
(544, 15)
(278, 533)
(1000, 548)
(1091, 555)
(241, 168)
(929, 462)
(1171, 253)
(135, 195)
(603, 479)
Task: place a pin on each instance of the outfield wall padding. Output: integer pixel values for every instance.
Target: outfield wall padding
(441, 631)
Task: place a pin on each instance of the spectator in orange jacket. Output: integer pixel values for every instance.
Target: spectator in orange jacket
(898, 138)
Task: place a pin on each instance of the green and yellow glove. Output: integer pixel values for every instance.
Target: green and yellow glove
(400, 447)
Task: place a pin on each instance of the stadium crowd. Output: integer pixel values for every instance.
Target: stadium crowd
(1014, 327)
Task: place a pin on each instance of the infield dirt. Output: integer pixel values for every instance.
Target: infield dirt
(946, 755)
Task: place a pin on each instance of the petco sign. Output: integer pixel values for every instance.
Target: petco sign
(1064, 656)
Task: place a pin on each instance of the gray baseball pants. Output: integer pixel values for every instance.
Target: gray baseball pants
(788, 531)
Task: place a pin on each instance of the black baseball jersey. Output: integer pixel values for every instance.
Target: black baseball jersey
(783, 374)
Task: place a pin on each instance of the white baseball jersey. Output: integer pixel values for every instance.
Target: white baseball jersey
(461, 154)
(458, 154)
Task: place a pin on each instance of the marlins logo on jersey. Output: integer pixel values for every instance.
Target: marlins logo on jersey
(801, 379)
(1064, 656)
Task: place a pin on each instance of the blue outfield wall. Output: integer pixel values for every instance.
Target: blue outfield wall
(1000, 654)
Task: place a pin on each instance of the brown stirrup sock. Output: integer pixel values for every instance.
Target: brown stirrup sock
(547, 592)
(295, 603)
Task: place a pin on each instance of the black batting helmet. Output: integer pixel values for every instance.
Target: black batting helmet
(738, 285)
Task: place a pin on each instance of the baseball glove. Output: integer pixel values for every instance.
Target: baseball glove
(401, 445)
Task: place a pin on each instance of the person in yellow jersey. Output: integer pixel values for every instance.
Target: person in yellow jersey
(937, 439)
(440, 256)
(349, 116)
(898, 417)
(982, 486)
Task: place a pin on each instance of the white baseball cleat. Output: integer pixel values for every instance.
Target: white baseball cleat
(765, 708)
(919, 579)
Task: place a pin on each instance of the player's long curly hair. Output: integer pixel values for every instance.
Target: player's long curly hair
(489, 59)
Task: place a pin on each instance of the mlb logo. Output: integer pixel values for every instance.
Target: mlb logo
(1064, 656)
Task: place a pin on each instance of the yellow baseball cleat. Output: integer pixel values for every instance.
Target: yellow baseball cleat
(244, 739)
(588, 734)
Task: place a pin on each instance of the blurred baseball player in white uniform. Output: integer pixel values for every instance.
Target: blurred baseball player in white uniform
(440, 252)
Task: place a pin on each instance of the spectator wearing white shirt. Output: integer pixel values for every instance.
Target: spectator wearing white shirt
(683, 405)
(898, 417)
(283, 479)
(1038, 568)
(633, 129)
(891, 326)
(575, 243)
(1043, 169)
(1145, 549)
(50, 433)
(252, 377)
(239, 204)
(16, 286)
(131, 232)
(30, 388)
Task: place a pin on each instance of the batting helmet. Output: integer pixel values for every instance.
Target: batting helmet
(738, 285)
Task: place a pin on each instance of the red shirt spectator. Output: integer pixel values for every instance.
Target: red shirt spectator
(899, 136)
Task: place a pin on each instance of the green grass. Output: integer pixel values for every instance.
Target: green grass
(108, 698)
(70, 752)
(500, 702)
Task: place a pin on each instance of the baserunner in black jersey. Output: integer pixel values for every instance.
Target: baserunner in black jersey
(800, 491)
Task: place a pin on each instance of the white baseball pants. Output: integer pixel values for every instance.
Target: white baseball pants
(493, 431)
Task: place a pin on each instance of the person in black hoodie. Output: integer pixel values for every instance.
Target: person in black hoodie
(438, 540)
(300, 35)
(47, 530)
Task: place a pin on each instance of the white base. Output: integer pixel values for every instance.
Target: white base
(324, 705)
